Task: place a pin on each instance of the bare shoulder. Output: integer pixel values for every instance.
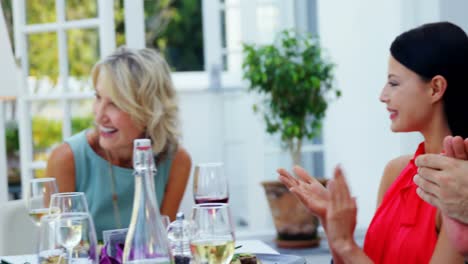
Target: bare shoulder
(60, 156)
(178, 178)
(61, 165)
(182, 157)
(391, 172)
(396, 165)
(181, 165)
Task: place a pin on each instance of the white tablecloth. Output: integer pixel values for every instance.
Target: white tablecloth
(254, 246)
(32, 259)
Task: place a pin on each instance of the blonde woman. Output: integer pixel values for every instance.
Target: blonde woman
(135, 98)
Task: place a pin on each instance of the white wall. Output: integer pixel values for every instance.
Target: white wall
(455, 11)
(221, 127)
(201, 116)
(356, 129)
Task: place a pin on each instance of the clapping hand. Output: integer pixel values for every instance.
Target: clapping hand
(309, 191)
(341, 214)
(334, 206)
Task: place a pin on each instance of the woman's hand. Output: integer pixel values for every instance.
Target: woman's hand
(341, 216)
(334, 204)
(308, 189)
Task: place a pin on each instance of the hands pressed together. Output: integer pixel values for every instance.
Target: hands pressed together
(443, 179)
(334, 205)
(443, 182)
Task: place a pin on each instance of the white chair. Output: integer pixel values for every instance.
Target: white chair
(18, 234)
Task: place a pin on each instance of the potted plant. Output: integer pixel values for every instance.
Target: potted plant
(296, 83)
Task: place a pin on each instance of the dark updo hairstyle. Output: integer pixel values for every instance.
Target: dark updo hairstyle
(439, 49)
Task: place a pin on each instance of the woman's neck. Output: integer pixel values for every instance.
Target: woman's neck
(121, 158)
(435, 132)
(434, 143)
(118, 157)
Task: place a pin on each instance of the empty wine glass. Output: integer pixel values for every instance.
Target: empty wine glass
(75, 232)
(38, 195)
(213, 238)
(210, 185)
(68, 202)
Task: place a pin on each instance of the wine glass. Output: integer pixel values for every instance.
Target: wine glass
(38, 197)
(48, 248)
(75, 232)
(68, 202)
(213, 234)
(210, 185)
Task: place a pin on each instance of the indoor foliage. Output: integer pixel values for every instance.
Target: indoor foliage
(295, 79)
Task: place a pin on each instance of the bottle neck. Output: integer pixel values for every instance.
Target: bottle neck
(144, 168)
(144, 184)
(143, 158)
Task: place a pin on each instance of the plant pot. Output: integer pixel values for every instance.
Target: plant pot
(295, 226)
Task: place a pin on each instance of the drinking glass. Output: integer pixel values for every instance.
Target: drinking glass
(38, 197)
(68, 202)
(213, 234)
(48, 248)
(210, 185)
(75, 232)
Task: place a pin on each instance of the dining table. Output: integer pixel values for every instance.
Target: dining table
(263, 251)
(263, 246)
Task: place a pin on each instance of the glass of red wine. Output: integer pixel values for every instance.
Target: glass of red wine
(210, 184)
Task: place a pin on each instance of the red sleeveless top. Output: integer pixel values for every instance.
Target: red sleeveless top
(403, 229)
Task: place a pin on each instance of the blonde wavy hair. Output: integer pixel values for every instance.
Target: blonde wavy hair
(143, 88)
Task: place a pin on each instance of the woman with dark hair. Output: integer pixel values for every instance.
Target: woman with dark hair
(426, 91)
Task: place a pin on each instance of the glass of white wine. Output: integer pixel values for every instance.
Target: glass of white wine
(213, 238)
(38, 196)
(48, 248)
(76, 233)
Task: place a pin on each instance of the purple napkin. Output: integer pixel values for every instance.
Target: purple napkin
(106, 259)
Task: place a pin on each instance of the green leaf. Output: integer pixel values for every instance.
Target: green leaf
(295, 79)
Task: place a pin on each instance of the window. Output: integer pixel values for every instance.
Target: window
(58, 42)
(175, 29)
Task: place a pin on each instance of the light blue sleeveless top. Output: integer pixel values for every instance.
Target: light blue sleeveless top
(93, 177)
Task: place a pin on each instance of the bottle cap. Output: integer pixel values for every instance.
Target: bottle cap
(180, 216)
(142, 143)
